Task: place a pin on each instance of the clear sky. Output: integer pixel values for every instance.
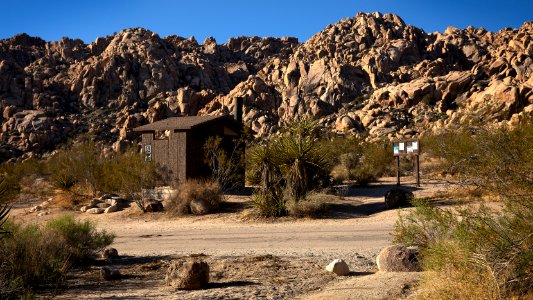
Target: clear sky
(222, 19)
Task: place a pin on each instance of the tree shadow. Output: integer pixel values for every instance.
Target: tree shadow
(237, 283)
(370, 191)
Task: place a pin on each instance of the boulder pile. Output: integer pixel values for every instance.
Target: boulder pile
(371, 74)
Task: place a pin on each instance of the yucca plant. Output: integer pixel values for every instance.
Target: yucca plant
(4, 212)
(304, 164)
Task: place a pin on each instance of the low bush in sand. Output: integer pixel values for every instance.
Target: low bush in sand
(472, 252)
(34, 257)
(363, 163)
(195, 197)
(314, 205)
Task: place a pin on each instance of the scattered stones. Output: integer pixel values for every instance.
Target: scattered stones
(36, 208)
(398, 197)
(110, 253)
(43, 213)
(189, 275)
(107, 273)
(398, 258)
(339, 267)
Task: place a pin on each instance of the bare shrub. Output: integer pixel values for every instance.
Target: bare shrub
(313, 206)
(195, 197)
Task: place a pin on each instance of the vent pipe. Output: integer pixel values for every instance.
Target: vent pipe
(237, 109)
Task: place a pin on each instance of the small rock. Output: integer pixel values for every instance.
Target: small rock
(339, 267)
(111, 209)
(191, 275)
(84, 208)
(107, 273)
(110, 253)
(43, 213)
(398, 258)
(397, 197)
(95, 210)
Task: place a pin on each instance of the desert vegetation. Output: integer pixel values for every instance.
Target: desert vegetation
(197, 197)
(33, 257)
(474, 251)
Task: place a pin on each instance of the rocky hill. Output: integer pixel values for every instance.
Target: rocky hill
(371, 75)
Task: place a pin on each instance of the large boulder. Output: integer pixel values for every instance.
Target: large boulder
(398, 258)
(398, 197)
(189, 275)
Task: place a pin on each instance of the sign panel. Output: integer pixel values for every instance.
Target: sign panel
(147, 152)
(404, 148)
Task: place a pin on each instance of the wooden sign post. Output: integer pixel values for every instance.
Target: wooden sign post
(407, 148)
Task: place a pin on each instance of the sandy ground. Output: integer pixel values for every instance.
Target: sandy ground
(252, 258)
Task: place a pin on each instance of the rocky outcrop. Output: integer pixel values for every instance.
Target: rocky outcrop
(371, 74)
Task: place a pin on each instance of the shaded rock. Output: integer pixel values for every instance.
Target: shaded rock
(107, 273)
(339, 267)
(110, 253)
(398, 258)
(398, 197)
(153, 206)
(190, 275)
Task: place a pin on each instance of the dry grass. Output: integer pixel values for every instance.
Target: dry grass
(313, 206)
(195, 197)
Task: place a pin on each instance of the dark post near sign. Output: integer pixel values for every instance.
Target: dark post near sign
(407, 148)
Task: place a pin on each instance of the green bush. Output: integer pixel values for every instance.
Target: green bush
(289, 167)
(33, 257)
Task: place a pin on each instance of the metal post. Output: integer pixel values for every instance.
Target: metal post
(398, 170)
(417, 162)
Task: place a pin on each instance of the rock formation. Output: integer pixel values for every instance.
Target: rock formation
(371, 74)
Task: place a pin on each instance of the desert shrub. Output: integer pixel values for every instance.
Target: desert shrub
(4, 213)
(289, 166)
(268, 199)
(195, 197)
(82, 162)
(499, 161)
(478, 249)
(478, 253)
(82, 238)
(33, 257)
(63, 181)
(226, 165)
(314, 205)
(363, 162)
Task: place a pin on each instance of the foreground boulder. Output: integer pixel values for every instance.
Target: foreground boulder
(397, 197)
(339, 267)
(190, 275)
(398, 258)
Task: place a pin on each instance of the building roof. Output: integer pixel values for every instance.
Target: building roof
(181, 123)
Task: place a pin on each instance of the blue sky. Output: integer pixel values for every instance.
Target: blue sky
(222, 19)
